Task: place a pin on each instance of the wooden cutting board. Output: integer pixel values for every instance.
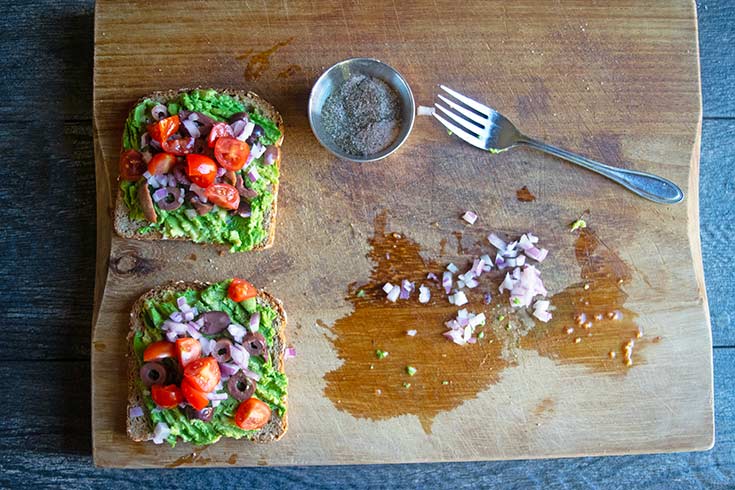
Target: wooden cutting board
(619, 83)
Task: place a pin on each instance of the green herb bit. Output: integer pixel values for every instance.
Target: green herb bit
(411, 370)
(481, 335)
(360, 293)
(580, 223)
(502, 317)
(445, 382)
(372, 366)
(449, 132)
(516, 301)
(381, 354)
(406, 385)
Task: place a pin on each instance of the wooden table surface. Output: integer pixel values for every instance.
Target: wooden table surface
(47, 275)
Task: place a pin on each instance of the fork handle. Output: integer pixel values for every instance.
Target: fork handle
(646, 185)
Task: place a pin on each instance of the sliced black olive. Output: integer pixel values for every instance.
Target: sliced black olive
(214, 322)
(205, 414)
(239, 116)
(240, 386)
(244, 192)
(146, 202)
(255, 344)
(153, 373)
(221, 350)
(172, 200)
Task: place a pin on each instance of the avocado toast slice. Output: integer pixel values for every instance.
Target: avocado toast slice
(145, 211)
(152, 325)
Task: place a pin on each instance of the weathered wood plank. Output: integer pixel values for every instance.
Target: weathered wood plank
(52, 428)
(717, 225)
(716, 41)
(46, 57)
(48, 248)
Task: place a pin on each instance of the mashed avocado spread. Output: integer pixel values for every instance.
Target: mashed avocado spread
(271, 387)
(217, 226)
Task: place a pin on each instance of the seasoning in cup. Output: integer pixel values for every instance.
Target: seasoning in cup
(362, 115)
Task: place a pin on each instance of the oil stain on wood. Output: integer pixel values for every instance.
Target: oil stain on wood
(259, 61)
(375, 388)
(524, 195)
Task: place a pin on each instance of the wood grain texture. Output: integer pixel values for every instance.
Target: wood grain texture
(56, 453)
(619, 82)
(65, 463)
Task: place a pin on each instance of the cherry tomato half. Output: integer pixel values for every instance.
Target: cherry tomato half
(240, 290)
(231, 153)
(201, 170)
(159, 350)
(203, 373)
(161, 130)
(131, 165)
(219, 130)
(179, 146)
(161, 163)
(166, 396)
(223, 195)
(252, 414)
(188, 349)
(197, 398)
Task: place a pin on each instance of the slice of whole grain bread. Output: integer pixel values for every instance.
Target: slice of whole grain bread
(127, 227)
(141, 428)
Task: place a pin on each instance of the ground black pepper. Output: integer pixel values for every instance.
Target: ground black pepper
(362, 115)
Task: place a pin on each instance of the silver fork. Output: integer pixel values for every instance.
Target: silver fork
(486, 128)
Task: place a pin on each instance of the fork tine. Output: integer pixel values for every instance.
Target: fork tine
(469, 138)
(483, 109)
(467, 113)
(463, 123)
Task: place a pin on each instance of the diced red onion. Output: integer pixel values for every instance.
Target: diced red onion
(181, 301)
(424, 294)
(387, 287)
(161, 432)
(147, 156)
(189, 315)
(228, 368)
(250, 374)
(447, 281)
(221, 171)
(463, 322)
(135, 412)
(147, 175)
(423, 110)
(470, 217)
(289, 353)
(257, 150)
(217, 396)
(524, 242)
(544, 316)
(394, 293)
(520, 260)
(253, 174)
(215, 403)
(176, 316)
(406, 289)
(199, 191)
(478, 266)
(191, 127)
(460, 298)
(239, 356)
(452, 268)
(254, 323)
(476, 320)
(500, 262)
(455, 336)
(542, 304)
(192, 330)
(153, 182)
(145, 139)
(245, 130)
(431, 276)
(533, 238)
(497, 242)
(460, 284)
(488, 298)
(172, 326)
(237, 331)
(411, 333)
(511, 262)
(471, 283)
(537, 254)
(171, 336)
(207, 346)
(507, 283)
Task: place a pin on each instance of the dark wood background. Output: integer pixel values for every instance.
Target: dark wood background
(47, 258)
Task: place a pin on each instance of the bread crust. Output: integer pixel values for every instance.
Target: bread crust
(127, 227)
(140, 429)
